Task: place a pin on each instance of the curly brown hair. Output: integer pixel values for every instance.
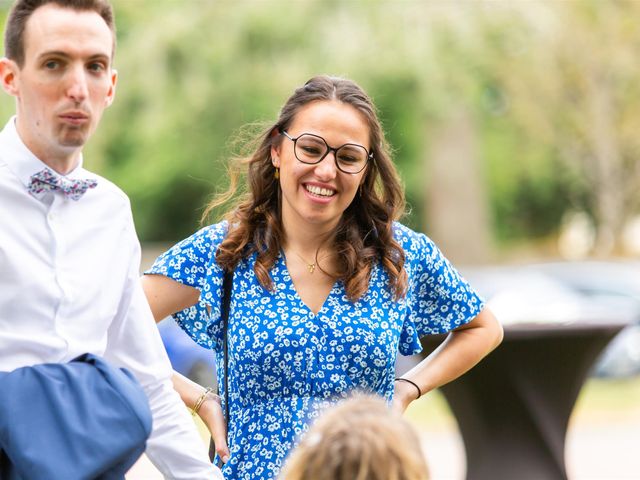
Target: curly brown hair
(364, 234)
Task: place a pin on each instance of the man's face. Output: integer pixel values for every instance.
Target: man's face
(66, 81)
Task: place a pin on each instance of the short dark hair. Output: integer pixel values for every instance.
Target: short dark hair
(23, 9)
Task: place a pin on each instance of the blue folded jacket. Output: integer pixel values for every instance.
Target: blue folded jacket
(80, 420)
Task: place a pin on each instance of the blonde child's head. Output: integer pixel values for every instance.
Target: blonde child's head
(358, 439)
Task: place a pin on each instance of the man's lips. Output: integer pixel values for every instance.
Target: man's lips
(75, 118)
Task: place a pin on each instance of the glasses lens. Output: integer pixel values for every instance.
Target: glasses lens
(310, 149)
(351, 158)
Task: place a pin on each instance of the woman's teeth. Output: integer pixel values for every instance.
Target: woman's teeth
(323, 192)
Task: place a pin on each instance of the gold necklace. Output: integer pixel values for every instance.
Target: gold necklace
(311, 267)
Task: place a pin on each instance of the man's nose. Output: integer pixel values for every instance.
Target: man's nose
(77, 88)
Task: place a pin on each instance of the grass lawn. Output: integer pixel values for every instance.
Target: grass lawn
(599, 400)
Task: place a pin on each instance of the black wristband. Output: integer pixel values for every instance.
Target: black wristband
(400, 379)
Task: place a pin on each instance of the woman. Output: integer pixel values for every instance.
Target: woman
(327, 286)
(358, 439)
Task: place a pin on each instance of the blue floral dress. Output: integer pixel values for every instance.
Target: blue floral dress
(285, 362)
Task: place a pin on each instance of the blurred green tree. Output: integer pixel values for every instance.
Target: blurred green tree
(543, 93)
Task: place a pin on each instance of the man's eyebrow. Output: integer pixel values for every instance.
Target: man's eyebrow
(62, 54)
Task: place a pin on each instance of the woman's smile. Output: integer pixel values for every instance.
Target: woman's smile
(317, 194)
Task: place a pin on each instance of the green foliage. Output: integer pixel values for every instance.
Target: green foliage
(193, 72)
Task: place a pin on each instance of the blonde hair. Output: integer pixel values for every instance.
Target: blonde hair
(358, 439)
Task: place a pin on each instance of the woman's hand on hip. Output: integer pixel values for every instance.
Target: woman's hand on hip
(211, 414)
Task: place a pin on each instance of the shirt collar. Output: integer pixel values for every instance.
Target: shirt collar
(20, 160)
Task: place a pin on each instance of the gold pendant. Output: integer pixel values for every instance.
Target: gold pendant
(311, 267)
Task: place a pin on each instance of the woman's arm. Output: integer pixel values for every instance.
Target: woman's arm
(166, 296)
(463, 348)
(210, 411)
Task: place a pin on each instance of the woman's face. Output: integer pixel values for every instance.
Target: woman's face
(315, 196)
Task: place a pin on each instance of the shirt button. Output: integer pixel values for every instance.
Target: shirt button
(51, 217)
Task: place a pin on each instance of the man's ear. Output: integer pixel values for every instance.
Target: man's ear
(9, 73)
(112, 89)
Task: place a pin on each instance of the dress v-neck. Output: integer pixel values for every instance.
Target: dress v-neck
(285, 361)
(294, 289)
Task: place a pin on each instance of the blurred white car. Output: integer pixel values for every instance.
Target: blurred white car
(566, 292)
(615, 284)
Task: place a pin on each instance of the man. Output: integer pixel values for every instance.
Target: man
(69, 255)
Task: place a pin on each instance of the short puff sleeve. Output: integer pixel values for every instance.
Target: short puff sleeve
(192, 262)
(438, 298)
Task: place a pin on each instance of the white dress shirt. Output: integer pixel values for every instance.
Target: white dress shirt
(69, 284)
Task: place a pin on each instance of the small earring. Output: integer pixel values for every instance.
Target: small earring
(276, 174)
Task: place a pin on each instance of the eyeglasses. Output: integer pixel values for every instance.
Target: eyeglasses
(311, 149)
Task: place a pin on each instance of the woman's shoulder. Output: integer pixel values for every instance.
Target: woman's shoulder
(200, 244)
(207, 237)
(414, 244)
(214, 230)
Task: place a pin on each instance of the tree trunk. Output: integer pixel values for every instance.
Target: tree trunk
(457, 211)
(607, 176)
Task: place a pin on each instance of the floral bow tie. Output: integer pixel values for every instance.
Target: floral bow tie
(46, 181)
